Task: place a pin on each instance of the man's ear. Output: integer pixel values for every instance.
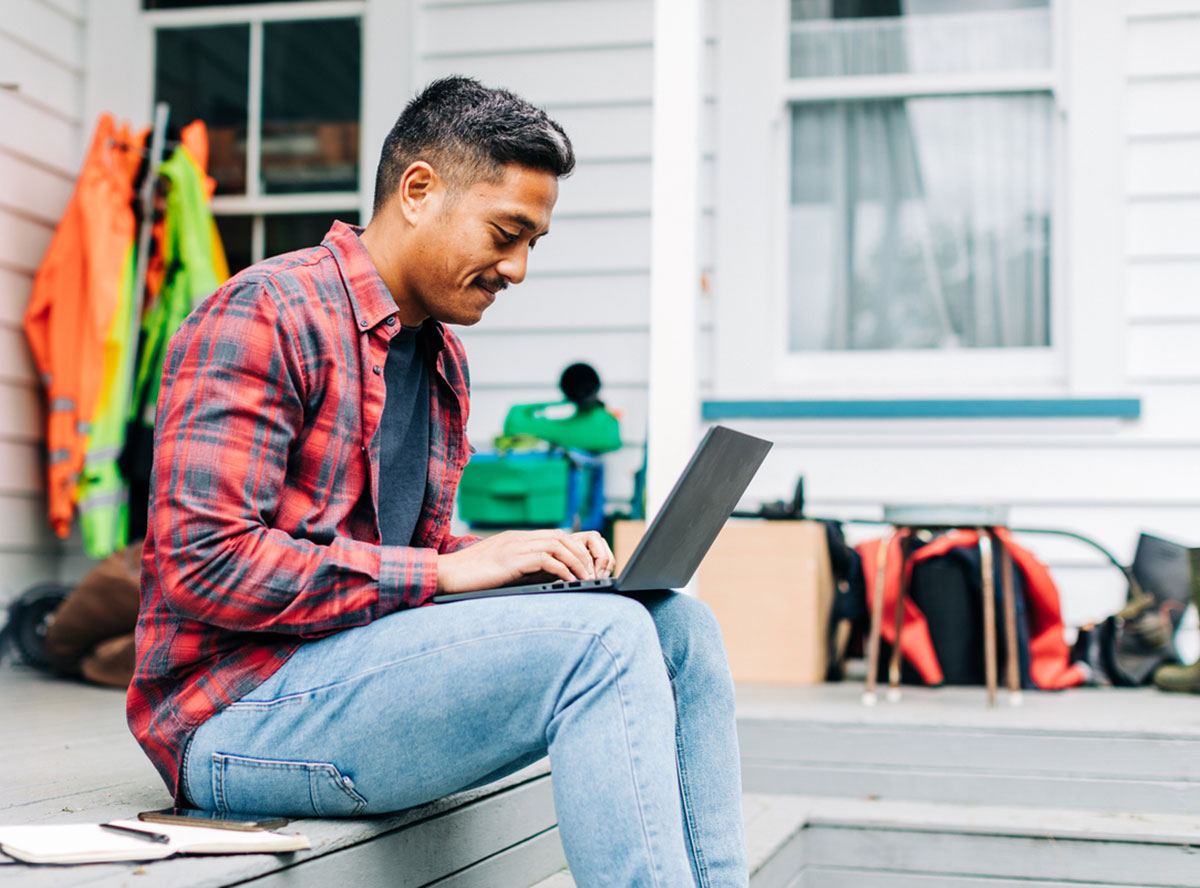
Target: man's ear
(421, 191)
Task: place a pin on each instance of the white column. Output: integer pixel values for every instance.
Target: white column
(674, 258)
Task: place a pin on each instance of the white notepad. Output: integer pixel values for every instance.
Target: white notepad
(88, 843)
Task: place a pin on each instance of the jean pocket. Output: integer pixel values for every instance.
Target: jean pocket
(272, 786)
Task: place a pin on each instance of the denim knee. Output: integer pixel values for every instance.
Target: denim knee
(691, 640)
(625, 624)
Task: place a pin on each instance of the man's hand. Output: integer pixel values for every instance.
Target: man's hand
(515, 554)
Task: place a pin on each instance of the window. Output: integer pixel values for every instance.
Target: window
(921, 175)
(908, 199)
(280, 95)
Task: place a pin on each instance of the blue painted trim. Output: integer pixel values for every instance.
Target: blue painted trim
(941, 408)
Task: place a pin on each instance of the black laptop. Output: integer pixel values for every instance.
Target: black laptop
(675, 543)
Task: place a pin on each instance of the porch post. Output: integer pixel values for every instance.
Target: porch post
(673, 424)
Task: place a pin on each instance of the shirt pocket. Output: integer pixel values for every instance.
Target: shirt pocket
(274, 786)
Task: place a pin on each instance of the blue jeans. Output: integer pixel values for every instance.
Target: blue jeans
(429, 701)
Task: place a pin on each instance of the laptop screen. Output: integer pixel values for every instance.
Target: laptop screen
(695, 511)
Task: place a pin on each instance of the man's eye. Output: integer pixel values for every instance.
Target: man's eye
(507, 236)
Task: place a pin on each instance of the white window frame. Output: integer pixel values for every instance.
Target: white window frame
(123, 83)
(754, 98)
(255, 203)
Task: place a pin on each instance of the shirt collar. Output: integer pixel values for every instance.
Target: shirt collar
(370, 299)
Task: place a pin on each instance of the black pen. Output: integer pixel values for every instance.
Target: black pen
(144, 834)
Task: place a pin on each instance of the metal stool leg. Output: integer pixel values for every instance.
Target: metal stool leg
(1011, 654)
(893, 693)
(868, 697)
(989, 613)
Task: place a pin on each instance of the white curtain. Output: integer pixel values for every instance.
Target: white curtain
(921, 223)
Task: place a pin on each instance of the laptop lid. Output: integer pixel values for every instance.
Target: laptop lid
(695, 511)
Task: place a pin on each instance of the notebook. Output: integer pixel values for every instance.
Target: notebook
(88, 843)
(679, 536)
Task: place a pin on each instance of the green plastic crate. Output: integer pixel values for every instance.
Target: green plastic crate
(514, 489)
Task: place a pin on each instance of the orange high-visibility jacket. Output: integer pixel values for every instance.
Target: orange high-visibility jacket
(75, 295)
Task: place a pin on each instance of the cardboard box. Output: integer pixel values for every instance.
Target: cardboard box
(771, 587)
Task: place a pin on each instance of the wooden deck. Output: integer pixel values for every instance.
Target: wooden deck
(1081, 787)
(69, 758)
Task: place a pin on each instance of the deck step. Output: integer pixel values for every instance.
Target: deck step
(799, 842)
(773, 828)
(1119, 749)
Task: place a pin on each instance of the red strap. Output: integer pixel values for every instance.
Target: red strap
(1048, 651)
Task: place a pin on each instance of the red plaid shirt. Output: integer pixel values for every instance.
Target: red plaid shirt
(263, 524)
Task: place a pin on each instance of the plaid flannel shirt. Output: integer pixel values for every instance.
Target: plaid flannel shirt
(263, 527)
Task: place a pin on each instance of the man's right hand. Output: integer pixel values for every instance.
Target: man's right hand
(516, 554)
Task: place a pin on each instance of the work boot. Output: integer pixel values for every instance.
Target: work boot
(1183, 678)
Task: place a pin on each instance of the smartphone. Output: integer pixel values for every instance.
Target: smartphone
(213, 819)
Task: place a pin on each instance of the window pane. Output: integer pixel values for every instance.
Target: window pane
(203, 73)
(838, 38)
(311, 80)
(236, 239)
(921, 223)
(298, 230)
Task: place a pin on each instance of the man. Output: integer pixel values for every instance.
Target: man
(309, 443)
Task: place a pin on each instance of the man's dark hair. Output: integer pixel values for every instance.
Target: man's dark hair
(469, 133)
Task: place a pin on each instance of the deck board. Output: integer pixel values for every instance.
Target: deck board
(1086, 748)
(69, 758)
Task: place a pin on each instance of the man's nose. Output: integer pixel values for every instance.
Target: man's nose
(512, 267)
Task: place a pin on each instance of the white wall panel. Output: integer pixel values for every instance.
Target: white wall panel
(41, 48)
(1164, 47)
(567, 302)
(1165, 351)
(22, 412)
(1163, 108)
(1139, 8)
(16, 362)
(1164, 228)
(568, 77)
(32, 190)
(465, 29)
(43, 79)
(607, 132)
(40, 25)
(595, 243)
(1159, 169)
(1164, 289)
(36, 134)
(616, 187)
(14, 295)
(530, 359)
(1027, 475)
(23, 241)
(22, 470)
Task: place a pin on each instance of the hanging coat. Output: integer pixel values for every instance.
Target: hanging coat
(193, 269)
(1049, 655)
(75, 299)
(190, 269)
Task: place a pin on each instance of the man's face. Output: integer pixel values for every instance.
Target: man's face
(479, 241)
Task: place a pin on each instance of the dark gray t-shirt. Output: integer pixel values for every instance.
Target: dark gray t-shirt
(403, 438)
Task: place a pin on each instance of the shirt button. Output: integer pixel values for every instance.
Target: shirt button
(391, 322)
(377, 369)
(362, 324)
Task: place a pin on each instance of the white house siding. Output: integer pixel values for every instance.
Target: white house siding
(1109, 479)
(41, 133)
(586, 297)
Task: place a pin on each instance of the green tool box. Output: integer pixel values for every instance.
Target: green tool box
(514, 489)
